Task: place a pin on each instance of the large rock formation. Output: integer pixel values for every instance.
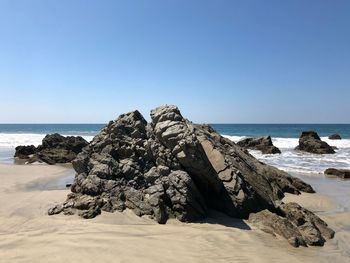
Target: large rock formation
(171, 168)
(55, 148)
(341, 173)
(263, 144)
(309, 141)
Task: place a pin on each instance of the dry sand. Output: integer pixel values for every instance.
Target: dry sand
(28, 234)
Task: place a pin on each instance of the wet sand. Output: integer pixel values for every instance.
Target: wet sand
(28, 234)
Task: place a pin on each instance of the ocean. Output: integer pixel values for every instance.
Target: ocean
(284, 136)
(308, 167)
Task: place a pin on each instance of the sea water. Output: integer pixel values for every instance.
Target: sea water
(12, 135)
(307, 166)
(284, 136)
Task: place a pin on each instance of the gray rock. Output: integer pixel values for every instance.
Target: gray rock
(334, 137)
(297, 225)
(263, 144)
(341, 173)
(309, 141)
(172, 168)
(276, 225)
(55, 148)
(308, 224)
(25, 152)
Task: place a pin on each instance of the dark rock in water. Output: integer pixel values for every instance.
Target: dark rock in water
(24, 152)
(334, 137)
(263, 144)
(296, 224)
(171, 168)
(68, 185)
(57, 141)
(55, 148)
(309, 141)
(341, 173)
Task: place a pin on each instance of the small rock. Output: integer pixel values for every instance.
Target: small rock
(263, 144)
(309, 141)
(55, 148)
(24, 152)
(297, 225)
(341, 173)
(334, 137)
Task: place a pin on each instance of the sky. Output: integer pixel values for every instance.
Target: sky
(251, 61)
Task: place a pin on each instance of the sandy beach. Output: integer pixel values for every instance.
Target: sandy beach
(28, 234)
(174, 131)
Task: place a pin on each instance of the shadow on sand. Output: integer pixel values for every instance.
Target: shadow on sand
(218, 218)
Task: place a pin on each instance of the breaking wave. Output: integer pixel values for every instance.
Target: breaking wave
(301, 162)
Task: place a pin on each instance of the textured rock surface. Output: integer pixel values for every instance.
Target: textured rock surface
(296, 224)
(55, 148)
(341, 173)
(25, 152)
(334, 137)
(263, 144)
(171, 168)
(309, 141)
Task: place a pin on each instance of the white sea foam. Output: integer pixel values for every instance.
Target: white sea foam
(12, 140)
(291, 143)
(294, 161)
(344, 143)
(289, 160)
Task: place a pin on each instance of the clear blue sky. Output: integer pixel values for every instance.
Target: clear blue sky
(248, 61)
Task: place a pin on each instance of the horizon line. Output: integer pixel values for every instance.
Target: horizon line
(227, 123)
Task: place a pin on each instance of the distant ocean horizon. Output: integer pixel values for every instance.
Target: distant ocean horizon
(253, 130)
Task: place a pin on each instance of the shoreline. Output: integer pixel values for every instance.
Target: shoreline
(28, 232)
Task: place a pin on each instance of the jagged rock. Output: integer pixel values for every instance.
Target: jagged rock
(334, 137)
(309, 141)
(341, 173)
(70, 143)
(313, 229)
(263, 144)
(25, 152)
(55, 148)
(171, 168)
(296, 224)
(276, 225)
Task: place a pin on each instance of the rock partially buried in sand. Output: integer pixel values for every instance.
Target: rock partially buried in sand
(296, 224)
(309, 141)
(341, 173)
(171, 168)
(263, 144)
(55, 148)
(334, 137)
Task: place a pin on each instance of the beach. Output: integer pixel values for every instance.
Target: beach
(30, 235)
(174, 131)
